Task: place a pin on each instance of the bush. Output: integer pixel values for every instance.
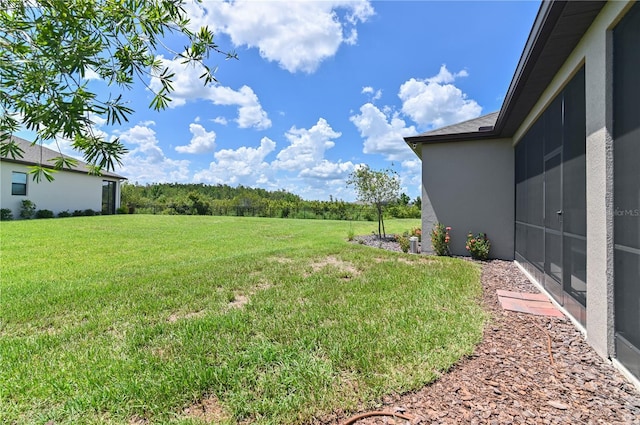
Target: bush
(63, 214)
(6, 214)
(478, 246)
(403, 240)
(417, 232)
(44, 214)
(27, 209)
(85, 213)
(122, 210)
(440, 239)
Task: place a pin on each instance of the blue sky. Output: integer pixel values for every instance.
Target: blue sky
(321, 87)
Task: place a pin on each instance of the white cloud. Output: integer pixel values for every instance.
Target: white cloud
(203, 141)
(374, 94)
(298, 35)
(315, 176)
(445, 76)
(326, 170)
(189, 87)
(435, 102)
(245, 165)
(307, 147)
(300, 167)
(383, 132)
(91, 74)
(146, 162)
(220, 120)
(97, 121)
(412, 172)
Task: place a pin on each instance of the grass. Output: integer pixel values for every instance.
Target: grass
(127, 319)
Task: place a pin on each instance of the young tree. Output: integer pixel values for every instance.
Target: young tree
(377, 188)
(47, 50)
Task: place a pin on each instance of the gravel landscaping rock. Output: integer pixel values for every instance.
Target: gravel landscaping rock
(389, 243)
(527, 370)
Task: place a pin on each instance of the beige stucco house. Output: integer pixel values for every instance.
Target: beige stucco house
(72, 189)
(553, 177)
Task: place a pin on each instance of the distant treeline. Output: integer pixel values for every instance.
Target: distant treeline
(201, 199)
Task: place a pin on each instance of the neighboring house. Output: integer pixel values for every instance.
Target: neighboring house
(71, 189)
(553, 178)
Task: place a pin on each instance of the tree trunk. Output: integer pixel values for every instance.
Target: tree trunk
(380, 223)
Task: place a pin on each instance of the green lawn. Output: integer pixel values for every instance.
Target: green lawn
(133, 318)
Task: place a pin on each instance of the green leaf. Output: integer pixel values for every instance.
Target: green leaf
(62, 162)
(160, 102)
(10, 148)
(94, 170)
(38, 172)
(99, 152)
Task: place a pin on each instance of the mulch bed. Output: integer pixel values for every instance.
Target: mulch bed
(527, 370)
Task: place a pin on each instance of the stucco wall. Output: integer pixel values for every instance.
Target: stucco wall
(469, 186)
(69, 191)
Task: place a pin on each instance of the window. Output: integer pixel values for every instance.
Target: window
(18, 183)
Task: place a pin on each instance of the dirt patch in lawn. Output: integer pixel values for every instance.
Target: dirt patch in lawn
(282, 260)
(174, 317)
(347, 269)
(208, 410)
(135, 420)
(239, 301)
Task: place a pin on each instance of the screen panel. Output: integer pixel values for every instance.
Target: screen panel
(626, 182)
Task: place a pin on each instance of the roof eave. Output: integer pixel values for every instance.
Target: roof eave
(453, 137)
(414, 141)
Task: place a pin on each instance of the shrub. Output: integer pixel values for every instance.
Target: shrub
(63, 214)
(440, 239)
(27, 209)
(85, 213)
(368, 216)
(44, 214)
(403, 240)
(122, 210)
(417, 232)
(478, 246)
(6, 214)
(350, 235)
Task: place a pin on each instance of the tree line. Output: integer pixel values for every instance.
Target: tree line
(225, 200)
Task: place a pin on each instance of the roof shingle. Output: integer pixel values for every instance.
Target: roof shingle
(483, 123)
